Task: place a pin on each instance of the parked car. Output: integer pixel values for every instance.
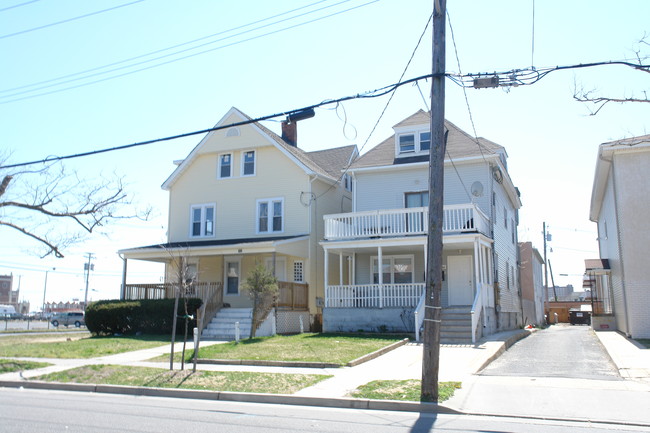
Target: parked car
(75, 318)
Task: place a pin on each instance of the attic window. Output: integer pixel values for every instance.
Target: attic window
(416, 142)
(232, 132)
(406, 143)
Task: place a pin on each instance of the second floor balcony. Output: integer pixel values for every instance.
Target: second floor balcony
(457, 219)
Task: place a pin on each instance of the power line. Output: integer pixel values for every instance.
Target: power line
(367, 95)
(381, 115)
(130, 59)
(18, 5)
(9, 35)
(176, 59)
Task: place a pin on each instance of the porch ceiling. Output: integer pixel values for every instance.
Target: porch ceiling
(403, 244)
(290, 245)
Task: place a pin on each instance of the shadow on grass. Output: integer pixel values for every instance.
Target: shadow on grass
(144, 337)
(363, 335)
(169, 378)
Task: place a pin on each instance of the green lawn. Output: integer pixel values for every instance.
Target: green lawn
(206, 380)
(406, 390)
(75, 346)
(309, 347)
(9, 365)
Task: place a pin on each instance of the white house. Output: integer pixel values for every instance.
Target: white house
(387, 230)
(619, 202)
(246, 196)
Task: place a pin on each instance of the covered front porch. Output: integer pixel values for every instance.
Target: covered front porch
(216, 271)
(358, 296)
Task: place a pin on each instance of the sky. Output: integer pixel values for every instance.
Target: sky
(79, 76)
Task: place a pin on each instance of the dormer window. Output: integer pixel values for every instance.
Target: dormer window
(425, 141)
(406, 143)
(415, 142)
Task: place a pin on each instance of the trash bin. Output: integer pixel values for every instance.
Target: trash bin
(577, 317)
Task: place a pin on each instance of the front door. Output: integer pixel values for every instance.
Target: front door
(460, 281)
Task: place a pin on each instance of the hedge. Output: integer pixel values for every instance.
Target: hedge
(145, 316)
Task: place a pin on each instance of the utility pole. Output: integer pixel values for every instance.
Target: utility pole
(433, 286)
(88, 267)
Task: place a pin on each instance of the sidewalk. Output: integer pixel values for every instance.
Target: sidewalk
(623, 401)
(605, 401)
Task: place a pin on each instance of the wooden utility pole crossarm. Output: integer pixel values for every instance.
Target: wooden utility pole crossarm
(432, 311)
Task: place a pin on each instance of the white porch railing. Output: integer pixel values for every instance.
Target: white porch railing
(475, 313)
(373, 295)
(477, 309)
(400, 222)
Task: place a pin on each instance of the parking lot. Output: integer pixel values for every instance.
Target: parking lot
(26, 325)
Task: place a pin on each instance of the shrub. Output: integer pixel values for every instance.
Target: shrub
(146, 316)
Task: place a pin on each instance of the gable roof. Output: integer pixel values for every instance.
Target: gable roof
(603, 164)
(459, 145)
(326, 164)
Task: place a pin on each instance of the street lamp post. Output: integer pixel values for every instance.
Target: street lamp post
(45, 291)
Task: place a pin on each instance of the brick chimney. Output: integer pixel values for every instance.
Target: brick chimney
(290, 132)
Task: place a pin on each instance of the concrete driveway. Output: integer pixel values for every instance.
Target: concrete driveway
(565, 351)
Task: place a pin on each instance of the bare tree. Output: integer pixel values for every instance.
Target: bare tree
(598, 101)
(57, 208)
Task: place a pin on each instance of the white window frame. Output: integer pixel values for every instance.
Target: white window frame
(417, 139)
(347, 182)
(269, 216)
(231, 259)
(243, 163)
(203, 208)
(299, 270)
(219, 166)
(374, 259)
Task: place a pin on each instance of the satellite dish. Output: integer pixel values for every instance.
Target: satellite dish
(477, 189)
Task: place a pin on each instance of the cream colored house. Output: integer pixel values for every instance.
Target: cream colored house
(620, 280)
(246, 196)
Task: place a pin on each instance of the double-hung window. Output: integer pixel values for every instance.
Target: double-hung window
(248, 163)
(202, 220)
(407, 143)
(225, 166)
(425, 141)
(413, 142)
(270, 215)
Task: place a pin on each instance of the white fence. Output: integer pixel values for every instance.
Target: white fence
(408, 221)
(373, 295)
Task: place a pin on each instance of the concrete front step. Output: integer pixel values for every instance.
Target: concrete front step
(222, 326)
(456, 327)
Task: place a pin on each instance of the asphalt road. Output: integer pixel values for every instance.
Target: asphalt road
(71, 412)
(559, 351)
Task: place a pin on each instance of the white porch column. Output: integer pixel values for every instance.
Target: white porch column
(123, 291)
(325, 282)
(477, 273)
(380, 272)
(425, 260)
(353, 273)
(341, 268)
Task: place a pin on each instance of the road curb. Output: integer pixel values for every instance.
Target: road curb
(505, 346)
(241, 397)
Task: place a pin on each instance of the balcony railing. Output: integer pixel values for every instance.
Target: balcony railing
(401, 222)
(373, 295)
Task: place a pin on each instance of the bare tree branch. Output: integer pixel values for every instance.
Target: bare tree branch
(599, 101)
(51, 200)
